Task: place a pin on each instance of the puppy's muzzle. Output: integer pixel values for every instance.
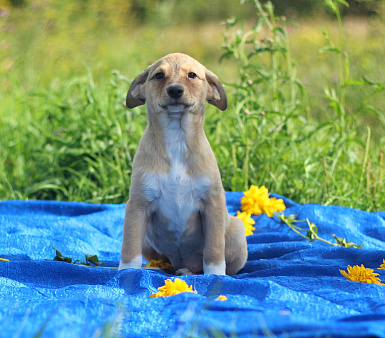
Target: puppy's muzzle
(175, 91)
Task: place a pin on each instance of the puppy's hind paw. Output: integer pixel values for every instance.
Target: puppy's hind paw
(183, 271)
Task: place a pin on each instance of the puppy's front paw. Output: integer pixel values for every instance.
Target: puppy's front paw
(212, 269)
(136, 263)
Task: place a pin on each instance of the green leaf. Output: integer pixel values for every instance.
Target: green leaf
(94, 260)
(291, 218)
(59, 257)
(279, 30)
(379, 86)
(313, 228)
(343, 2)
(226, 55)
(327, 37)
(369, 82)
(354, 83)
(331, 5)
(329, 48)
(342, 242)
(311, 237)
(371, 109)
(312, 233)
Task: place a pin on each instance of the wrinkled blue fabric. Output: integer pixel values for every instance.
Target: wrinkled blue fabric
(289, 287)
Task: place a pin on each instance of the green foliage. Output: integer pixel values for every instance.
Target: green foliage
(272, 143)
(60, 258)
(81, 148)
(89, 259)
(92, 259)
(66, 135)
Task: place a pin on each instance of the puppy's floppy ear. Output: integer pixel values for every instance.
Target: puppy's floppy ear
(135, 96)
(216, 94)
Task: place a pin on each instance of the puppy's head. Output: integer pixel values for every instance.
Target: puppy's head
(176, 84)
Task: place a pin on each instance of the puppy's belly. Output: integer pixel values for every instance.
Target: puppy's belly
(175, 227)
(183, 251)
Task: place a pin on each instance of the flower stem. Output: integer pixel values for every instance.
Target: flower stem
(312, 232)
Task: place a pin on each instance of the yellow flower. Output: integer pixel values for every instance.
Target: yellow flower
(158, 264)
(256, 201)
(222, 298)
(382, 266)
(247, 222)
(171, 288)
(273, 205)
(361, 274)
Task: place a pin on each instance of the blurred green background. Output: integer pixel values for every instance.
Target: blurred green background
(46, 39)
(65, 67)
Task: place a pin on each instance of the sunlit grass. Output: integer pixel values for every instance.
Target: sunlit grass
(65, 133)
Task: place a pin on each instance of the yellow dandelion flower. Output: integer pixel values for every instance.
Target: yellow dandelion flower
(361, 274)
(247, 222)
(382, 266)
(172, 288)
(273, 205)
(254, 200)
(158, 264)
(222, 298)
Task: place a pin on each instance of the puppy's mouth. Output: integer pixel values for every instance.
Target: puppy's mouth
(175, 108)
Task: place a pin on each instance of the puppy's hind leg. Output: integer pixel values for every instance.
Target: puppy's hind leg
(236, 246)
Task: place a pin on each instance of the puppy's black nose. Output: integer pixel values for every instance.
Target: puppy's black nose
(175, 91)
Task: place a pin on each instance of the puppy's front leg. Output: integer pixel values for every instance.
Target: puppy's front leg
(213, 219)
(135, 224)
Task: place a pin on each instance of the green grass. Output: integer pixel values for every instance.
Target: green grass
(307, 125)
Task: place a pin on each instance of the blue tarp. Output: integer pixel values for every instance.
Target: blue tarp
(289, 287)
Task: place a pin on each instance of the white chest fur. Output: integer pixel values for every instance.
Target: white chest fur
(175, 194)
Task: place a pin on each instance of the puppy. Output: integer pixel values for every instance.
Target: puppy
(177, 208)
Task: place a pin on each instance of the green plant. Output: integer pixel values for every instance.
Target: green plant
(66, 135)
(312, 232)
(81, 148)
(89, 259)
(272, 142)
(343, 124)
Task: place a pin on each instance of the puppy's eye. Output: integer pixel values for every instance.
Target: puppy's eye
(159, 76)
(191, 75)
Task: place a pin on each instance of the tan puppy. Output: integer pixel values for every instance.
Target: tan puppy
(177, 209)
